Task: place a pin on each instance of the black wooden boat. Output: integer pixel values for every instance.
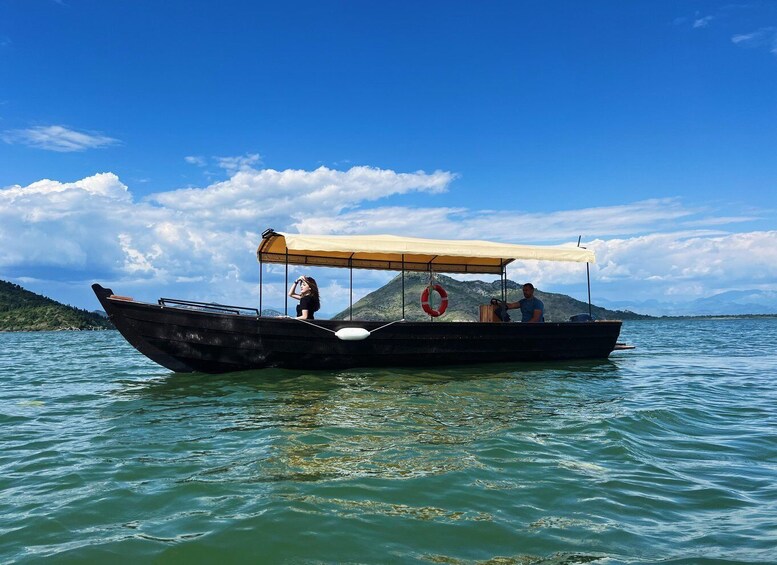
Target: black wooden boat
(189, 336)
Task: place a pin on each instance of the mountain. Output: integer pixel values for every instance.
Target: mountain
(464, 300)
(731, 303)
(271, 312)
(22, 310)
(737, 302)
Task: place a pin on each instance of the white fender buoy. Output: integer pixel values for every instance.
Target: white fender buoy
(352, 334)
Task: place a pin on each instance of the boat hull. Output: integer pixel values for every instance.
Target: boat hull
(188, 340)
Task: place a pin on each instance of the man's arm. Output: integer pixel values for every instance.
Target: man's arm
(536, 317)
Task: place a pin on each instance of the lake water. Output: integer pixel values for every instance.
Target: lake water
(667, 453)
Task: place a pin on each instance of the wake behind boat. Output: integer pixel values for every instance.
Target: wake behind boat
(186, 336)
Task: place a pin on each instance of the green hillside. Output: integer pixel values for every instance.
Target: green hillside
(22, 310)
(464, 300)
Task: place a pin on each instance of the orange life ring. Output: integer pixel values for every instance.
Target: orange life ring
(425, 301)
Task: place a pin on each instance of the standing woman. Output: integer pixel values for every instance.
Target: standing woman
(309, 302)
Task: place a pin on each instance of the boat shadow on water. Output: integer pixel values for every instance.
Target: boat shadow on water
(290, 380)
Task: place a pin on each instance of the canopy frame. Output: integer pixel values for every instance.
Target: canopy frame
(393, 253)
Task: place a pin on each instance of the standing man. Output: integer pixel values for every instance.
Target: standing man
(532, 309)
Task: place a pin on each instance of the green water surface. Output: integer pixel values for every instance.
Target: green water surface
(663, 454)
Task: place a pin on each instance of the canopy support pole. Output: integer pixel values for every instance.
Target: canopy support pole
(403, 286)
(587, 278)
(504, 283)
(350, 305)
(429, 286)
(286, 300)
(261, 271)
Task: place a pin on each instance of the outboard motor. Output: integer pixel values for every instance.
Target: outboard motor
(582, 318)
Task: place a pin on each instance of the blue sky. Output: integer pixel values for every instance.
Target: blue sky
(146, 144)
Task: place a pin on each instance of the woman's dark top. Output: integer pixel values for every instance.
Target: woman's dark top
(307, 303)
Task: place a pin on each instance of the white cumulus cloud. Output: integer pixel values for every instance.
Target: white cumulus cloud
(200, 243)
(277, 196)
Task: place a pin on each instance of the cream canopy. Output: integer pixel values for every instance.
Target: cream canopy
(395, 253)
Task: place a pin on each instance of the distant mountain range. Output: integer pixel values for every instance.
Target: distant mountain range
(731, 303)
(22, 310)
(465, 298)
